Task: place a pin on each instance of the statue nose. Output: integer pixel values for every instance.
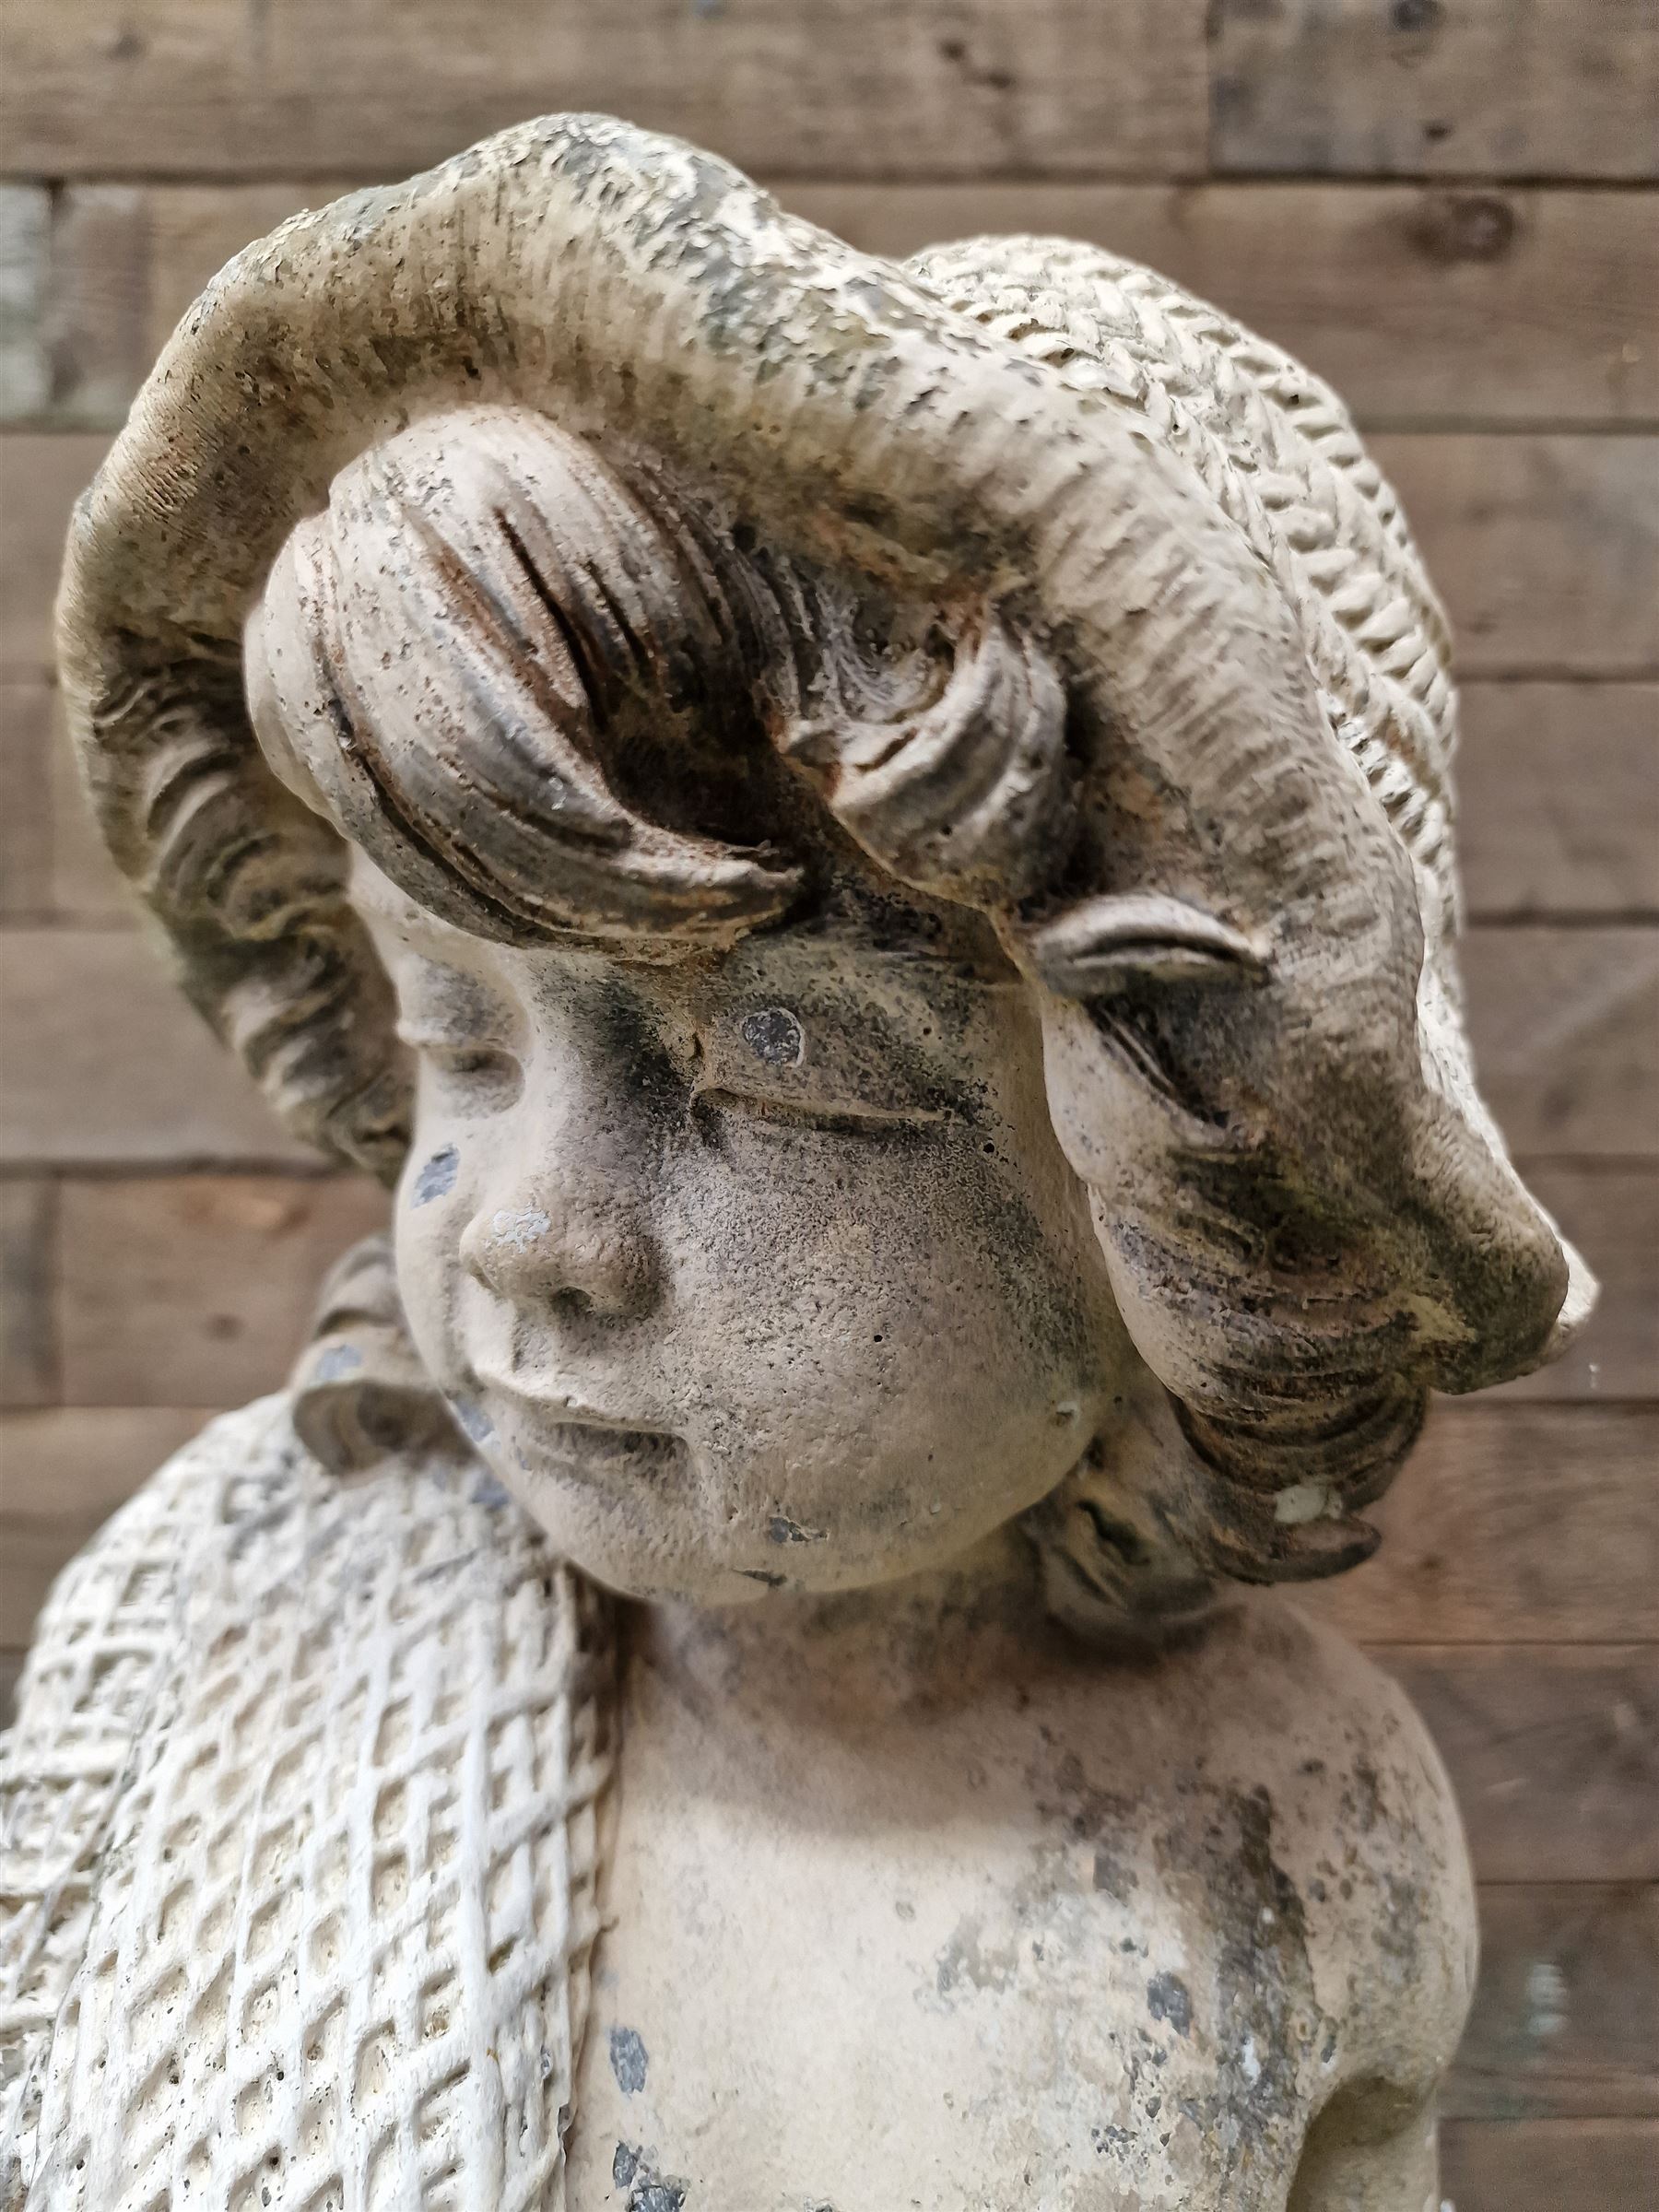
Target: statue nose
(568, 1249)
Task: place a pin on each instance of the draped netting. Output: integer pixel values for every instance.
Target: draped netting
(299, 1846)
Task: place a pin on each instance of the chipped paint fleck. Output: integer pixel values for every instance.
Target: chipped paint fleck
(437, 1178)
(519, 1229)
(629, 2060)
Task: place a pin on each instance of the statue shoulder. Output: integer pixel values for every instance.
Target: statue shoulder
(1303, 1793)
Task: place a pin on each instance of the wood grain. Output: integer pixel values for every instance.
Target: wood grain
(95, 297)
(63, 1471)
(1558, 800)
(305, 88)
(1565, 1024)
(26, 817)
(1546, 549)
(1409, 87)
(25, 369)
(53, 866)
(1553, 1750)
(29, 1374)
(1550, 2165)
(1425, 306)
(190, 1291)
(1565, 2019)
(1542, 1516)
(42, 475)
(100, 1061)
(1612, 1215)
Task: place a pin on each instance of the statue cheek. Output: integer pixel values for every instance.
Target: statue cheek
(434, 1206)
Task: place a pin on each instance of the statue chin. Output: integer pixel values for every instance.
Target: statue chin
(890, 926)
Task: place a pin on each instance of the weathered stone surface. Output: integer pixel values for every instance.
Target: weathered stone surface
(868, 847)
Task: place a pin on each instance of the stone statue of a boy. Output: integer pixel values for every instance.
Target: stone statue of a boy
(869, 849)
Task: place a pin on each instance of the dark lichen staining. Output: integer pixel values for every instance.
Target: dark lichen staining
(629, 2060)
(647, 2192)
(1167, 1999)
(968, 1961)
(782, 1530)
(774, 1035)
(437, 1178)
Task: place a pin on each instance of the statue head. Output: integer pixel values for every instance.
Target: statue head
(869, 847)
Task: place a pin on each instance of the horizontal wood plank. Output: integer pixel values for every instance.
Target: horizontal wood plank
(305, 88)
(1558, 790)
(26, 818)
(102, 1061)
(196, 1289)
(1553, 1750)
(1546, 549)
(1543, 1519)
(1566, 2017)
(64, 1471)
(1565, 1024)
(26, 378)
(28, 1371)
(53, 865)
(1422, 305)
(94, 295)
(1412, 87)
(1548, 2165)
(1612, 1215)
(42, 475)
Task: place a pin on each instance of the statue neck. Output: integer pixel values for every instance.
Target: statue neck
(930, 1637)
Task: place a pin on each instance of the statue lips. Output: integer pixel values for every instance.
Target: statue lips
(585, 1444)
(605, 1455)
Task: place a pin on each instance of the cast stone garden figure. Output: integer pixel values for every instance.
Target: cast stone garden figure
(868, 849)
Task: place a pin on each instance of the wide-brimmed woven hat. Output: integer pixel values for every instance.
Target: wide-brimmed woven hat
(1257, 708)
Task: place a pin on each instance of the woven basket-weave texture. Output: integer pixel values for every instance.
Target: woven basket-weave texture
(298, 1847)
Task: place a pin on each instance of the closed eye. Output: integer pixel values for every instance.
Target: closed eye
(483, 1076)
(1116, 944)
(843, 1118)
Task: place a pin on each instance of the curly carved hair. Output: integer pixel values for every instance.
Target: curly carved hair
(1015, 572)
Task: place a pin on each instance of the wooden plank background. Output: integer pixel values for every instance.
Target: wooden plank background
(1446, 206)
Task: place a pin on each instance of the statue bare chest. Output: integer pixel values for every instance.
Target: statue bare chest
(1033, 1948)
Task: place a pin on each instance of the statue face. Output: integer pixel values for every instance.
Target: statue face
(750, 1269)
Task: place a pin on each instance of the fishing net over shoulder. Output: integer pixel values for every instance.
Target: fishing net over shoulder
(299, 1846)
